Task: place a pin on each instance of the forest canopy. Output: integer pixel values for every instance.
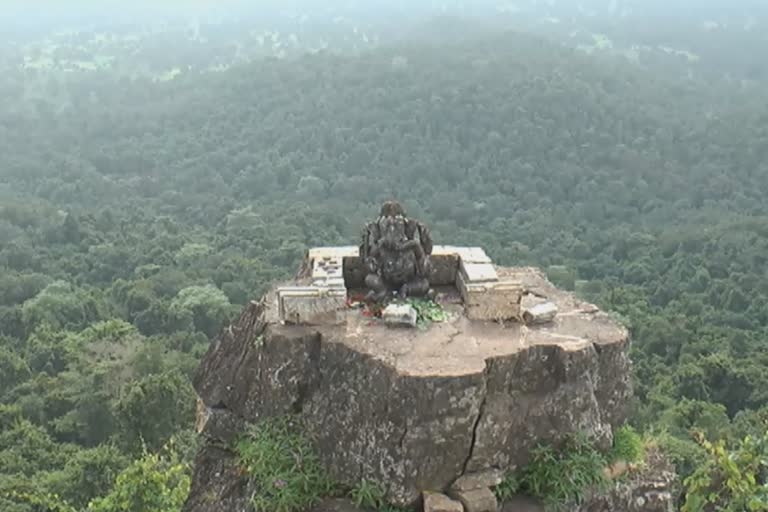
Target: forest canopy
(139, 210)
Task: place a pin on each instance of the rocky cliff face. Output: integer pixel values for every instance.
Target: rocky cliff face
(410, 409)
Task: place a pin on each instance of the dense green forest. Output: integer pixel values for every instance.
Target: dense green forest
(139, 212)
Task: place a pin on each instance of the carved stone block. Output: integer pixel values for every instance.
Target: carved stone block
(499, 300)
(311, 305)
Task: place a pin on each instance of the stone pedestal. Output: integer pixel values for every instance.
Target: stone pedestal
(413, 410)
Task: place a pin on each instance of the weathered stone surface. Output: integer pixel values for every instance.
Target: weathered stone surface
(443, 269)
(399, 315)
(483, 479)
(218, 483)
(219, 424)
(411, 409)
(478, 500)
(437, 502)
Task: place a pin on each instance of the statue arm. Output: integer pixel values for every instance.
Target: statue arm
(369, 247)
(426, 238)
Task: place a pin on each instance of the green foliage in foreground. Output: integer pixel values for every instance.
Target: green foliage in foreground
(367, 494)
(156, 481)
(730, 480)
(371, 496)
(725, 479)
(427, 311)
(286, 471)
(628, 446)
(558, 476)
(509, 487)
(281, 461)
(562, 476)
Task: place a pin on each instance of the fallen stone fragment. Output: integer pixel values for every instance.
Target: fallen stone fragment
(480, 480)
(399, 315)
(478, 500)
(436, 502)
(540, 313)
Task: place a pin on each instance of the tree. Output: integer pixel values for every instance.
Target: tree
(209, 307)
(61, 305)
(89, 474)
(730, 480)
(157, 481)
(152, 409)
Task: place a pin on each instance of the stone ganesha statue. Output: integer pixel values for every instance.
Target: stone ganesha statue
(395, 250)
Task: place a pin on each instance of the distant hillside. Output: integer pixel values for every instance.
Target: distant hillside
(204, 36)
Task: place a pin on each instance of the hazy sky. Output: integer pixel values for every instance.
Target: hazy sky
(49, 13)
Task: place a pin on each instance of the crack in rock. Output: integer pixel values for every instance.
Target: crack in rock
(401, 442)
(480, 414)
(307, 385)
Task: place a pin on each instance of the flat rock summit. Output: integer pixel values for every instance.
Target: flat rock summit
(411, 409)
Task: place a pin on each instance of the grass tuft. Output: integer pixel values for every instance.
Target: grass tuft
(559, 477)
(508, 487)
(628, 446)
(367, 495)
(370, 496)
(283, 465)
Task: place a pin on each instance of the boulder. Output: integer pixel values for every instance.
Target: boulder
(437, 502)
(473, 481)
(412, 409)
(477, 500)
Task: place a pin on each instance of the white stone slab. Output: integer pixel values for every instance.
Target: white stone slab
(339, 252)
(478, 272)
(467, 254)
